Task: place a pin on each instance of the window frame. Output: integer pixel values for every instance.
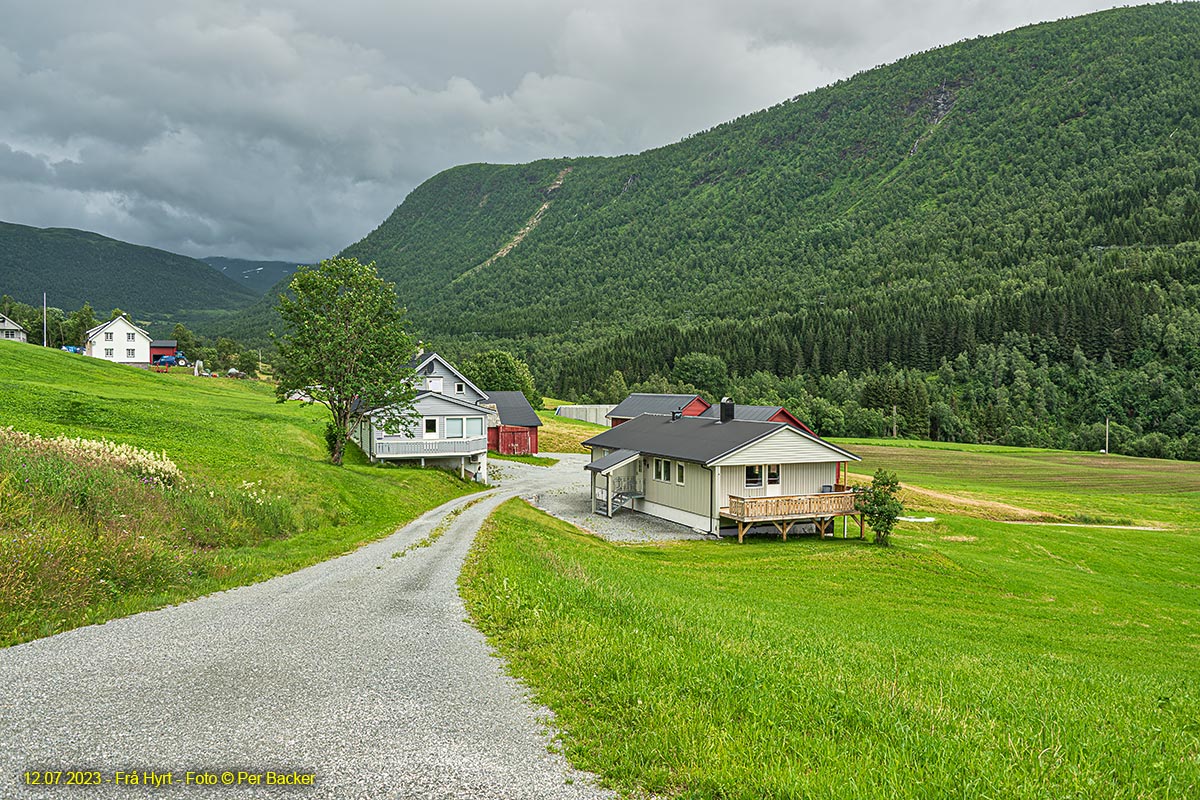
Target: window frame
(108, 336)
(754, 483)
(435, 431)
(130, 352)
(460, 388)
(662, 470)
(778, 479)
(462, 428)
(108, 352)
(130, 336)
(469, 423)
(680, 473)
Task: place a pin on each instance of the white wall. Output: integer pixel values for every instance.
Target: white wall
(119, 344)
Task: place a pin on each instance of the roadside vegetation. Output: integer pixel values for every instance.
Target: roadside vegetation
(973, 658)
(219, 486)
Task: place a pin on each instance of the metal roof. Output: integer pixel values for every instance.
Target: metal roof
(514, 409)
(637, 404)
(689, 438)
(164, 343)
(758, 413)
(613, 460)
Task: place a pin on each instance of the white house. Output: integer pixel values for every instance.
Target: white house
(120, 341)
(451, 426)
(698, 471)
(11, 330)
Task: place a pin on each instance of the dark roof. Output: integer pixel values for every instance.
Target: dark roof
(638, 404)
(164, 343)
(688, 438)
(514, 409)
(613, 459)
(759, 413)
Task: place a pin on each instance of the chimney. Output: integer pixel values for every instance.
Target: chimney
(676, 414)
(726, 410)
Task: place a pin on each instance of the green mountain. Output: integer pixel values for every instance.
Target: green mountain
(258, 276)
(73, 267)
(1044, 181)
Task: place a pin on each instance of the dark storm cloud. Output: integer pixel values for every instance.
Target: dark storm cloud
(289, 131)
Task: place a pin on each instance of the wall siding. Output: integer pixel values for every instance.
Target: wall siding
(785, 446)
(449, 378)
(693, 496)
(793, 479)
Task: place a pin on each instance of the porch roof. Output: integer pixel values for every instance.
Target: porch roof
(617, 458)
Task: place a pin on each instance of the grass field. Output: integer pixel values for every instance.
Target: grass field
(973, 658)
(255, 468)
(563, 434)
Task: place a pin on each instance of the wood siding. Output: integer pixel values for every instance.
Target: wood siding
(785, 446)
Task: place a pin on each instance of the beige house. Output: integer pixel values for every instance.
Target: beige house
(699, 471)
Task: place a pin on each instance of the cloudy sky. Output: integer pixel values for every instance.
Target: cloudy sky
(289, 130)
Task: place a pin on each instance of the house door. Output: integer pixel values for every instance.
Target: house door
(773, 482)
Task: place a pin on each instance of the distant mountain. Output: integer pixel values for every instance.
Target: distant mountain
(74, 267)
(258, 276)
(1042, 182)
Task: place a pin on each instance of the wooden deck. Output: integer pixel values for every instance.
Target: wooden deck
(784, 512)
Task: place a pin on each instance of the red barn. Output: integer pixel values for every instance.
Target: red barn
(162, 347)
(692, 405)
(516, 433)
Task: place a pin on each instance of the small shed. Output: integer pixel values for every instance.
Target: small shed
(516, 431)
(162, 347)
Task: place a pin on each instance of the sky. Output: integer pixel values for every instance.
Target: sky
(290, 130)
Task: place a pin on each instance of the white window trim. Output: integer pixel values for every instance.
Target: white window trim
(108, 352)
(462, 422)
(466, 423)
(436, 427)
(460, 388)
(679, 473)
(662, 470)
(750, 484)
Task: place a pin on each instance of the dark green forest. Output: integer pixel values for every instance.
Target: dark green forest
(74, 267)
(1007, 227)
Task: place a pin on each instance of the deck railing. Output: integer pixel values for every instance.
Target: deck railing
(430, 448)
(791, 506)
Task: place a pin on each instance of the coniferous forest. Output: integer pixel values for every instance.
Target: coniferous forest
(1001, 238)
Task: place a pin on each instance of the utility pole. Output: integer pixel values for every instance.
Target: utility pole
(45, 341)
(1106, 434)
(893, 420)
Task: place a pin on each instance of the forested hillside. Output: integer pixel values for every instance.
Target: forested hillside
(1032, 197)
(75, 267)
(258, 276)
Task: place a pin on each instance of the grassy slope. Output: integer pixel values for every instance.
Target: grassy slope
(974, 658)
(219, 432)
(563, 434)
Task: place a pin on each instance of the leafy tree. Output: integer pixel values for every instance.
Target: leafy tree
(185, 340)
(78, 324)
(880, 506)
(706, 372)
(501, 371)
(346, 346)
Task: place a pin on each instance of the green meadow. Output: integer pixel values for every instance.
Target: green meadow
(972, 659)
(81, 542)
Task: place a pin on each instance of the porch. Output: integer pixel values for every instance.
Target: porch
(784, 512)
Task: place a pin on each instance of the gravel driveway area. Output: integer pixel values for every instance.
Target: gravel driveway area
(359, 672)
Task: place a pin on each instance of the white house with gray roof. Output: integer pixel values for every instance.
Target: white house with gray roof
(450, 430)
(11, 330)
(119, 341)
(699, 471)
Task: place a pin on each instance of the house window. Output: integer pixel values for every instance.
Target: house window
(431, 426)
(754, 476)
(460, 388)
(454, 428)
(108, 352)
(662, 470)
(679, 472)
(772, 474)
(474, 426)
(10, 334)
(130, 353)
(129, 337)
(108, 336)
(435, 385)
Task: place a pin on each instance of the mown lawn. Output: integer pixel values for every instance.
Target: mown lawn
(971, 659)
(230, 436)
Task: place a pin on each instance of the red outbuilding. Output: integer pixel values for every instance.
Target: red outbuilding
(516, 433)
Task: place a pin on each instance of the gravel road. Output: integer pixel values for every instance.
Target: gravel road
(360, 671)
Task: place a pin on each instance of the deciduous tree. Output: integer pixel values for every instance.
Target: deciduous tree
(346, 346)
